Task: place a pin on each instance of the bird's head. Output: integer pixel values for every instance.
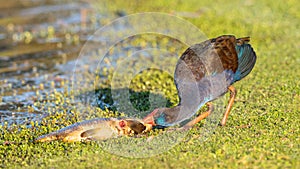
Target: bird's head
(157, 117)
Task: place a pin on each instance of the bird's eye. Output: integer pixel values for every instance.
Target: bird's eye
(122, 123)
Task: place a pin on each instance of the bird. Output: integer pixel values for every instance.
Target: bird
(203, 73)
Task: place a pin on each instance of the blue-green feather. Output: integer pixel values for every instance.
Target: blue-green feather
(246, 61)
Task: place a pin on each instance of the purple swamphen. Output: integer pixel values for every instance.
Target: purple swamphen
(204, 72)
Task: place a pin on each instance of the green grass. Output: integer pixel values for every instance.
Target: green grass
(268, 99)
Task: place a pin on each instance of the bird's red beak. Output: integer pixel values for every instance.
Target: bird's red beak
(149, 118)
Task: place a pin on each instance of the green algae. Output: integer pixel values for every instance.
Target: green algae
(262, 130)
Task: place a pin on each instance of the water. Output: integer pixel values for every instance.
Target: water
(38, 40)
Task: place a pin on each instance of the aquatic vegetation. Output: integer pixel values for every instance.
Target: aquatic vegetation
(263, 128)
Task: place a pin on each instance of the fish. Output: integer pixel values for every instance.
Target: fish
(97, 129)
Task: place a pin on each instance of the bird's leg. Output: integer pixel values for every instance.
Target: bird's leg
(200, 117)
(231, 100)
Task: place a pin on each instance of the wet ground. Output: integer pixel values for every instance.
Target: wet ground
(38, 39)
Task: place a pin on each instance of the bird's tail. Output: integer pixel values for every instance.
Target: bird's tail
(246, 57)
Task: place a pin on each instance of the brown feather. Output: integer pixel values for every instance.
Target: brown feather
(211, 56)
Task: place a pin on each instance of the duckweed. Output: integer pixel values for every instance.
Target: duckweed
(262, 130)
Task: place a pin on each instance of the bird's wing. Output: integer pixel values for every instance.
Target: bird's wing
(206, 59)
